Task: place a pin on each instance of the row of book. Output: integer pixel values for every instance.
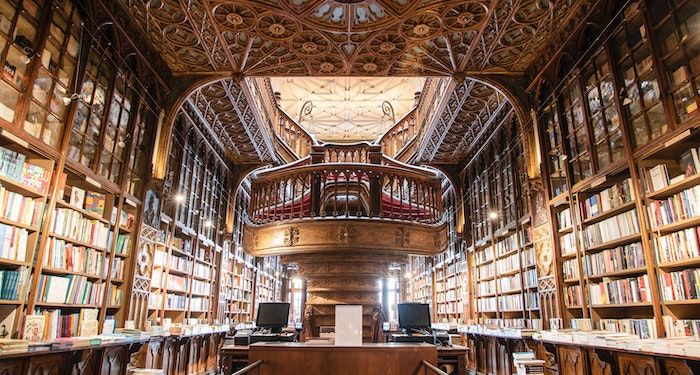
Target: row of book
(486, 270)
(506, 245)
(680, 206)
(71, 224)
(573, 296)
(71, 289)
(118, 269)
(621, 291)
(486, 287)
(570, 269)
(450, 295)
(658, 176)
(201, 287)
(530, 277)
(509, 263)
(90, 201)
(676, 246)
(532, 300)
(202, 270)
(615, 196)
(14, 166)
(18, 208)
(621, 225)
(180, 264)
(58, 325)
(681, 327)
(510, 302)
(486, 304)
(564, 218)
(611, 260)
(199, 304)
(9, 284)
(567, 244)
(509, 283)
(528, 256)
(177, 283)
(64, 255)
(484, 255)
(122, 244)
(13, 242)
(115, 296)
(175, 301)
(643, 328)
(680, 285)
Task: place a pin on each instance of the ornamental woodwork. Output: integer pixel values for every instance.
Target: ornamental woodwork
(631, 364)
(368, 38)
(113, 361)
(11, 367)
(571, 361)
(601, 363)
(45, 365)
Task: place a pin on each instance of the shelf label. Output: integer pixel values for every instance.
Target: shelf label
(92, 182)
(677, 138)
(15, 138)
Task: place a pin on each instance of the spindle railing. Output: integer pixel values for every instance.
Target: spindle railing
(293, 135)
(334, 190)
(402, 133)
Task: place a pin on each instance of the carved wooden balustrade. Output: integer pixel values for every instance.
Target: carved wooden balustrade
(341, 190)
(293, 135)
(402, 133)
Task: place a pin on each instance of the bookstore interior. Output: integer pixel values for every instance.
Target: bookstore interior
(445, 187)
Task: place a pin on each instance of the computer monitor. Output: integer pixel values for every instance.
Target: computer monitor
(273, 315)
(414, 316)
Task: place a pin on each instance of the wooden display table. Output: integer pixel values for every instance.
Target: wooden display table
(300, 358)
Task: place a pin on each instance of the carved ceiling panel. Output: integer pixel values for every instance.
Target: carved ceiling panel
(221, 109)
(473, 109)
(360, 38)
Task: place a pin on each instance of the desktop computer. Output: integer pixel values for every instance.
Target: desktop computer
(271, 318)
(414, 319)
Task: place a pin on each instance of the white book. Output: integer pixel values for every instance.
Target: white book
(659, 177)
(57, 289)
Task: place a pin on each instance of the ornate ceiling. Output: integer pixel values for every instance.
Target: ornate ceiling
(473, 109)
(221, 109)
(347, 109)
(360, 38)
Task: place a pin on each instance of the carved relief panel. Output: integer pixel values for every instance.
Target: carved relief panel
(631, 364)
(571, 361)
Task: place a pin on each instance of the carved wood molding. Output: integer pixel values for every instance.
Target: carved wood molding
(333, 235)
(368, 38)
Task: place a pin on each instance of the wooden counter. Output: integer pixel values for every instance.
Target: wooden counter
(391, 358)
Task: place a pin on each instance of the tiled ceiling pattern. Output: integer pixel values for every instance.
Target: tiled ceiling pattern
(347, 109)
(360, 38)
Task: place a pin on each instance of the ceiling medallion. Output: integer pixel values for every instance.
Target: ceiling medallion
(326, 67)
(277, 29)
(234, 19)
(421, 29)
(466, 18)
(387, 47)
(369, 67)
(349, 1)
(309, 47)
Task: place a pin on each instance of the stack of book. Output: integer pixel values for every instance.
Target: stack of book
(9, 346)
(526, 364)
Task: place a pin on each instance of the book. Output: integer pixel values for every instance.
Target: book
(108, 326)
(95, 202)
(8, 71)
(34, 327)
(658, 177)
(690, 164)
(77, 196)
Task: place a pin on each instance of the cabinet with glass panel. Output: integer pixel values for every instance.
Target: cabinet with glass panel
(640, 110)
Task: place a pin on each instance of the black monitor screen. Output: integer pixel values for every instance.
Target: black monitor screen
(414, 315)
(272, 315)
